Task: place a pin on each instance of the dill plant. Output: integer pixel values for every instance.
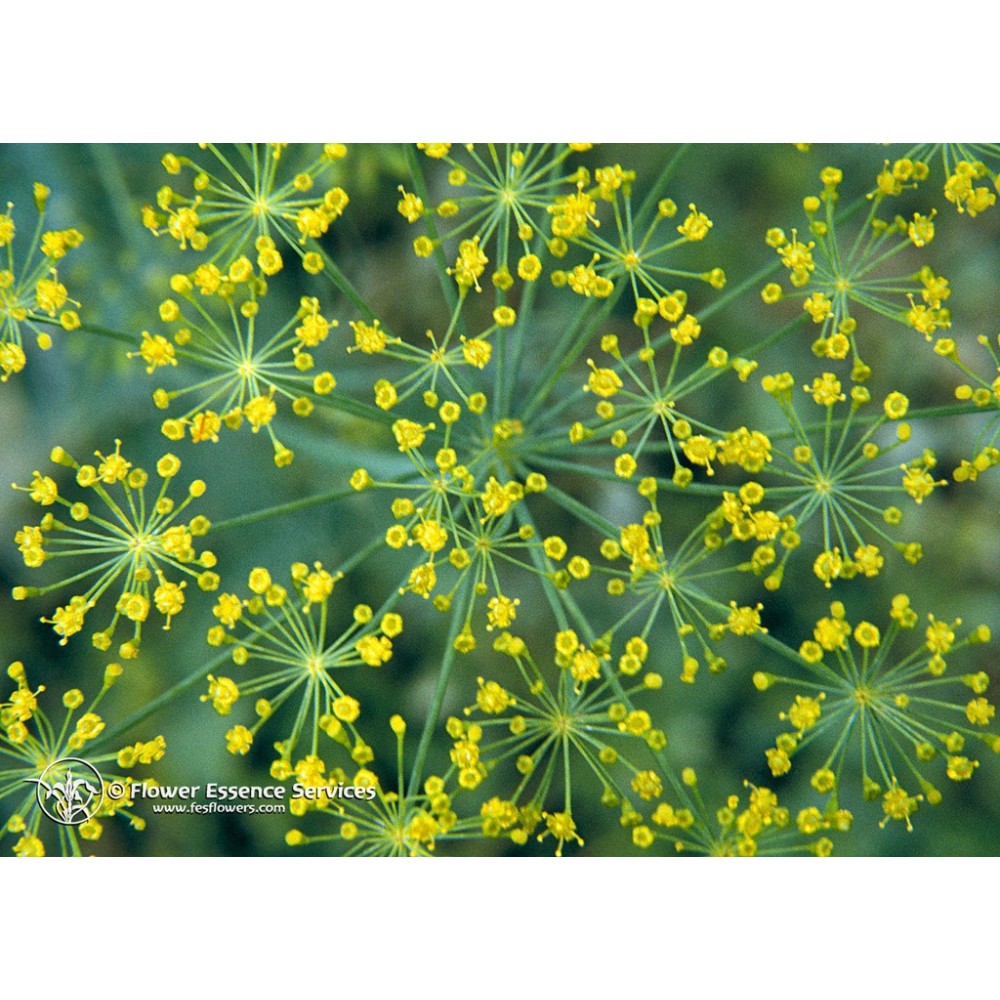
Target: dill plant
(602, 461)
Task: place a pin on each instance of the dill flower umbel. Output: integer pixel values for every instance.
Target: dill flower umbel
(833, 273)
(132, 544)
(638, 398)
(447, 372)
(763, 827)
(251, 366)
(638, 257)
(650, 581)
(251, 199)
(284, 644)
(971, 180)
(900, 714)
(835, 478)
(462, 517)
(554, 729)
(33, 299)
(32, 750)
(376, 821)
(595, 470)
(499, 201)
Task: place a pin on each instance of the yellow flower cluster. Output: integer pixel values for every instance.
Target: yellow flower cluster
(131, 544)
(587, 468)
(32, 298)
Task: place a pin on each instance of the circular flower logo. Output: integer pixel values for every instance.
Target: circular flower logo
(66, 795)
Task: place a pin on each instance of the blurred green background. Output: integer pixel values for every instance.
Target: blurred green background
(85, 393)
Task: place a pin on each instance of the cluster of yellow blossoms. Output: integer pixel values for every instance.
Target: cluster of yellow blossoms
(833, 274)
(32, 298)
(286, 642)
(593, 443)
(37, 766)
(970, 169)
(134, 541)
(241, 204)
(245, 371)
(890, 707)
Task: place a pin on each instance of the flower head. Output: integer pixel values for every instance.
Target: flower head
(41, 763)
(132, 545)
(901, 713)
(284, 646)
(218, 329)
(32, 297)
(252, 199)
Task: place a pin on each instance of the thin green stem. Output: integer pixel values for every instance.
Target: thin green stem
(281, 509)
(162, 701)
(440, 690)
